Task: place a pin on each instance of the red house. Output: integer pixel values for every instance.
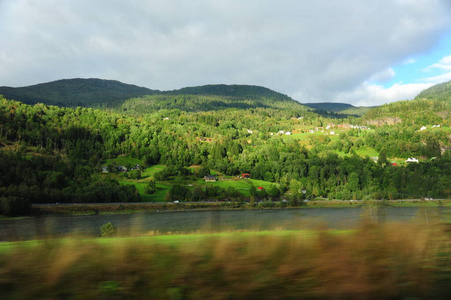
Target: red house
(246, 175)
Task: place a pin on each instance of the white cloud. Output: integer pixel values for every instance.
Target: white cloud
(383, 76)
(444, 64)
(372, 95)
(438, 79)
(310, 50)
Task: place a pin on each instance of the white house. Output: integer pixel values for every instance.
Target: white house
(287, 133)
(121, 169)
(423, 128)
(412, 159)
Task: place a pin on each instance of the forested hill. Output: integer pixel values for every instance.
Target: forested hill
(75, 92)
(431, 106)
(329, 106)
(213, 98)
(234, 91)
(139, 100)
(441, 92)
(417, 112)
(335, 109)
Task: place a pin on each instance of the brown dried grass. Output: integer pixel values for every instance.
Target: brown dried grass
(374, 262)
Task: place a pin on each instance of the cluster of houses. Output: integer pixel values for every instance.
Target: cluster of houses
(424, 127)
(122, 169)
(359, 127)
(282, 132)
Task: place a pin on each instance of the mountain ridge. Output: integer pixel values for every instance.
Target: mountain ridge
(94, 92)
(75, 92)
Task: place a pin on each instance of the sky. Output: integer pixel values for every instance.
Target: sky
(360, 52)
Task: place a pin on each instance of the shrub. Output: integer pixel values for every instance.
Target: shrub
(14, 206)
(108, 230)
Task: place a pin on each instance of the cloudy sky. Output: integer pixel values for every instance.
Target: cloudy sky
(354, 51)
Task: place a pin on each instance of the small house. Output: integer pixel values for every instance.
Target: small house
(246, 175)
(210, 178)
(121, 169)
(412, 159)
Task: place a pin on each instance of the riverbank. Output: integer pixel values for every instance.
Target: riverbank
(128, 208)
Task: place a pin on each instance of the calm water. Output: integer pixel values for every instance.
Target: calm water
(140, 223)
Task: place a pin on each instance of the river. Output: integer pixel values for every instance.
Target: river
(188, 221)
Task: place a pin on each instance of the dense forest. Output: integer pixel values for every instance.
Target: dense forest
(76, 92)
(56, 154)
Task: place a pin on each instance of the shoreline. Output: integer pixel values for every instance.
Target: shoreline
(130, 208)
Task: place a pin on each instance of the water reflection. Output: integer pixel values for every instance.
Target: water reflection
(211, 221)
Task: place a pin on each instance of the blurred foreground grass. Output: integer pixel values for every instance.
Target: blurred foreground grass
(389, 261)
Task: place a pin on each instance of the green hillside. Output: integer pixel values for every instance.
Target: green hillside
(329, 106)
(200, 102)
(357, 111)
(138, 100)
(418, 112)
(431, 106)
(75, 92)
(441, 92)
(334, 109)
(234, 91)
(213, 98)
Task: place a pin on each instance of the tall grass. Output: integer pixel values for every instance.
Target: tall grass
(389, 261)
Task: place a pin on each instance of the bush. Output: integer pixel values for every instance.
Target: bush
(108, 230)
(14, 206)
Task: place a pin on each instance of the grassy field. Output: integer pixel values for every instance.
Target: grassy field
(241, 185)
(367, 152)
(150, 172)
(159, 196)
(124, 161)
(372, 262)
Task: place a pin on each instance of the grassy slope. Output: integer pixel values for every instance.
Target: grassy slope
(241, 185)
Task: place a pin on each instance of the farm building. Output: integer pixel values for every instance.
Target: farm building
(210, 178)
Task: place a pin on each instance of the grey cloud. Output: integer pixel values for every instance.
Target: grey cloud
(311, 50)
